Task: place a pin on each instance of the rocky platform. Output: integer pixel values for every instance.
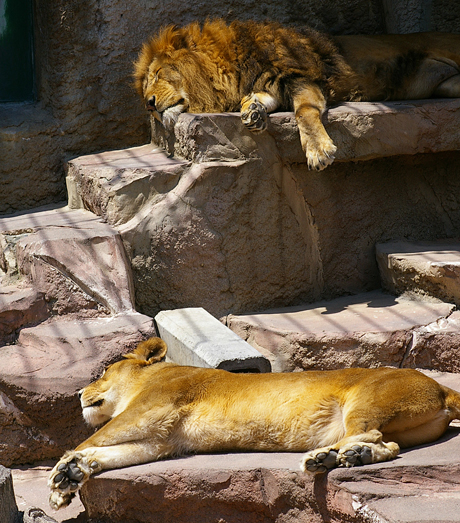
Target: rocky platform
(233, 221)
(365, 330)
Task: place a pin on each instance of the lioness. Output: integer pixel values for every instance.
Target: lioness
(259, 68)
(153, 410)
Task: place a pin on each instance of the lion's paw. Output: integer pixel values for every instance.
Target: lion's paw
(319, 158)
(320, 460)
(352, 455)
(67, 477)
(253, 114)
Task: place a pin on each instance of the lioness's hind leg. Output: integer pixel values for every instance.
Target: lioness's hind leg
(254, 110)
(362, 449)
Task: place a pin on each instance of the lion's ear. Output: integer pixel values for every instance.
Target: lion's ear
(151, 350)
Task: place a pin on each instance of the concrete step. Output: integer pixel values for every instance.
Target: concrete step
(421, 485)
(41, 416)
(431, 268)
(72, 256)
(365, 330)
(20, 307)
(194, 337)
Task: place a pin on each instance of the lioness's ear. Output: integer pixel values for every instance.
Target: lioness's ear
(151, 350)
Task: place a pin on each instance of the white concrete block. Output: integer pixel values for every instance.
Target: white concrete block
(194, 337)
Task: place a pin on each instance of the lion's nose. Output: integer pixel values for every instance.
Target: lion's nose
(80, 392)
(151, 104)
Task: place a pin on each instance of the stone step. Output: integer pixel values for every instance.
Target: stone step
(72, 256)
(421, 485)
(194, 337)
(429, 267)
(365, 330)
(20, 307)
(41, 416)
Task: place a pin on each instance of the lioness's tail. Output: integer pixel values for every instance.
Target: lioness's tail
(452, 399)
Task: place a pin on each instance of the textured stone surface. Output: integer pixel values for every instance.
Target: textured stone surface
(19, 307)
(194, 337)
(366, 330)
(40, 414)
(75, 259)
(249, 487)
(8, 507)
(242, 225)
(431, 268)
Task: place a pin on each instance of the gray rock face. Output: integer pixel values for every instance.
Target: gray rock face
(235, 222)
(8, 507)
(424, 268)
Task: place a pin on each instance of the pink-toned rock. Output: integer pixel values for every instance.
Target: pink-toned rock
(40, 414)
(366, 330)
(116, 184)
(19, 307)
(436, 346)
(431, 268)
(73, 257)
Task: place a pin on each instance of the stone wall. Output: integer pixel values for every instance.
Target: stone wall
(84, 52)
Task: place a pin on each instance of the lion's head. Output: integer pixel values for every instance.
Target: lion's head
(187, 69)
(106, 397)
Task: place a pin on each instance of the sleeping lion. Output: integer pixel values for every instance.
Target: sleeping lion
(152, 410)
(258, 68)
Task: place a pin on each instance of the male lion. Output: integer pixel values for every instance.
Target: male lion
(259, 68)
(153, 410)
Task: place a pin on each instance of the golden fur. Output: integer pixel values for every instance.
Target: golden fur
(259, 68)
(152, 410)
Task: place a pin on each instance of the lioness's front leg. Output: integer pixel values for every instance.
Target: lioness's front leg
(309, 106)
(76, 466)
(255, 108)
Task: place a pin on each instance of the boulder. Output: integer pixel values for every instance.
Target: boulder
(20, 307)
(366, 330)
(426, 268)
(234, 222)
(75, 259)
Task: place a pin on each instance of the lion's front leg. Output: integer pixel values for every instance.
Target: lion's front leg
(309, 106)
(362, 449)
(255, 108)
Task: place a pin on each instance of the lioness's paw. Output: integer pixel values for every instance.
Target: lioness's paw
(253, 114)
(352, 455)
(67, 477)
(320, 460)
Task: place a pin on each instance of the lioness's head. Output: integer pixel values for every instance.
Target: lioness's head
(106, 397)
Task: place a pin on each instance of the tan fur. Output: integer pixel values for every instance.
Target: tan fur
(261, 67)
(152, 409)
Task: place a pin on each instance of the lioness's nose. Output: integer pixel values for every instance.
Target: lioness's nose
(151, 103)
(80, 392)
